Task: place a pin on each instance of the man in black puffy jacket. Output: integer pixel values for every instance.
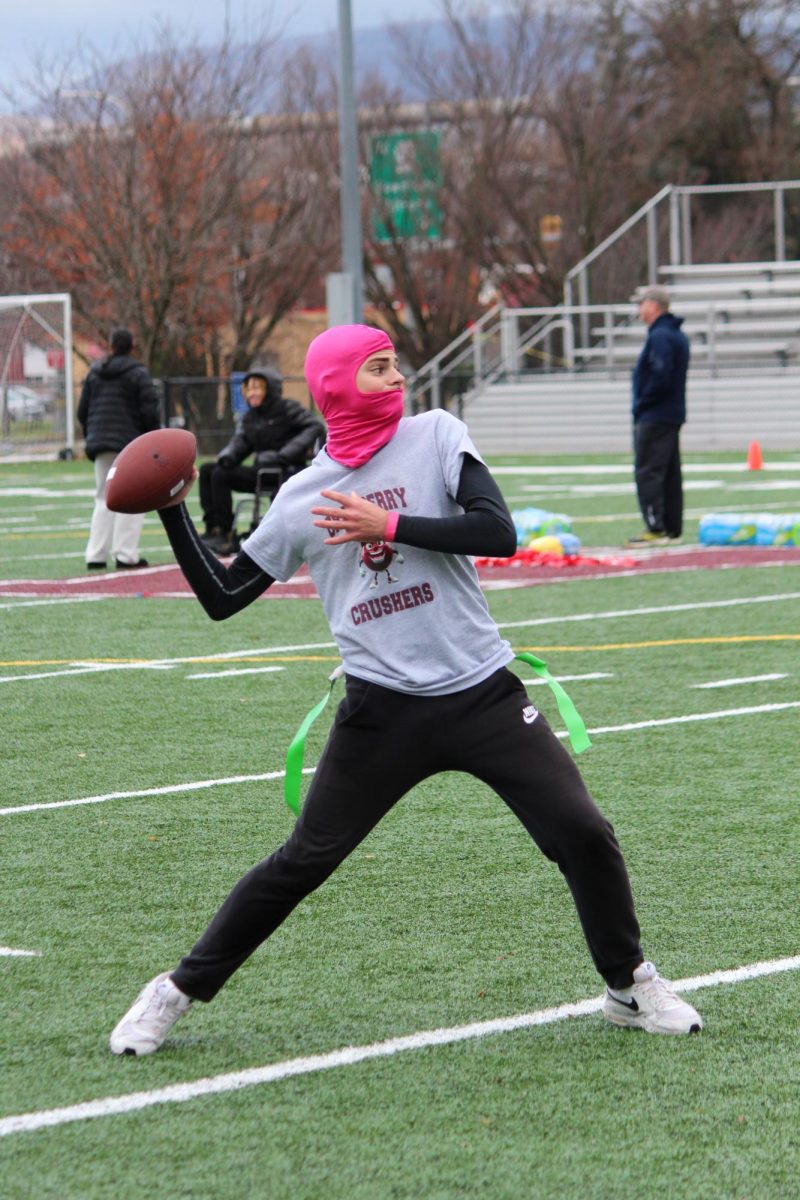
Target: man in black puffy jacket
(118, 402)
(280, 433)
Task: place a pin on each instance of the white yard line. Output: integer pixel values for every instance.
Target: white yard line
(59, 600)
(14, 530)
(626, 468)
(605, 518)
(690, 717)
(638, 572)
(280, 591)
(113, 573)
(172, 789)
(52, 492)
(570, 491)
(348, 1056)
(10, 952)
(109, 573)
(723, 683)
(269, 775)
(88, 669)
(575, 491)
(537, 682)
(166, 664)
(612, 614)
(768, 485)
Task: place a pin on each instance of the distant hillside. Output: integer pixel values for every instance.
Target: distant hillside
(369, 51)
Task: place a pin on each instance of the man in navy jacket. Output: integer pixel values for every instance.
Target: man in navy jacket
(659, 410)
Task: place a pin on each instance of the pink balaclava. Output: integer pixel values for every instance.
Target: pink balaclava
(359, 423)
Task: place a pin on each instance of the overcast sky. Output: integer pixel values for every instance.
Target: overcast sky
(51, 27)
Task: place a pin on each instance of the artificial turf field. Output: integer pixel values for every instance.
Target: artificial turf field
(157, 740)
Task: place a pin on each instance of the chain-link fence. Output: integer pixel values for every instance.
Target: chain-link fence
(208, 407)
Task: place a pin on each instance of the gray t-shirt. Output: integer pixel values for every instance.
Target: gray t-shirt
(420, 625)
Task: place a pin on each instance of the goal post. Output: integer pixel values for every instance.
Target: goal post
(37, 405)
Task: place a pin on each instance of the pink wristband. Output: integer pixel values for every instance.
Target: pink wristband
(391, 525)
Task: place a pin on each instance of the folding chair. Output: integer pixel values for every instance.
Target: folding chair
(268, 480)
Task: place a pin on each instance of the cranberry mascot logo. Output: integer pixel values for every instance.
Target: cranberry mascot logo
(377, 557)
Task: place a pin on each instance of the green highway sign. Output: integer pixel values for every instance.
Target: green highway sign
(405, 176)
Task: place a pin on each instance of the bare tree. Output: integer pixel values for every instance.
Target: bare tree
(540, 121)
(195, 192)
(149, 193)
(721, 75)
(428, 269)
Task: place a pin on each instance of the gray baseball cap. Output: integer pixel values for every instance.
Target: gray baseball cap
(653, 292)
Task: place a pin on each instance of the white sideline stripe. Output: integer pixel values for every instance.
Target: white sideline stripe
(209, 783)
(722, 683)
(237, 671)
(178, 1093)
(9, 952)
(641, 612)
(157, 791)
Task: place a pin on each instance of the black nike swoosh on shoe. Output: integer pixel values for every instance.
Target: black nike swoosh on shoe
(631, 1004)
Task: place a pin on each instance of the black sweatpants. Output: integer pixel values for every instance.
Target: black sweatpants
(217, 485)
(383, 743)
(659, 484)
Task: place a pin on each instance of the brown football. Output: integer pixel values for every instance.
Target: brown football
(151, 470)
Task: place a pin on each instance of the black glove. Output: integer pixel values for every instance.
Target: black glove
(268, 458)
(225, 461)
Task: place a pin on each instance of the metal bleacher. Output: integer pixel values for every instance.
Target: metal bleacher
(557, 379)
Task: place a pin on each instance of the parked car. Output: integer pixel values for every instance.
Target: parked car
(24, 404)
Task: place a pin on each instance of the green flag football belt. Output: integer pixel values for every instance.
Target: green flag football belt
(579, 738)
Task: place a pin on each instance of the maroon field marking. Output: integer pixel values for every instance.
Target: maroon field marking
(167, 582)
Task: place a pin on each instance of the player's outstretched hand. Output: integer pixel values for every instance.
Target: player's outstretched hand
(184, 492)
(354, 519)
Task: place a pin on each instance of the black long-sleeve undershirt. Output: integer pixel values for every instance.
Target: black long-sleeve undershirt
(484, 528)
(222, 591)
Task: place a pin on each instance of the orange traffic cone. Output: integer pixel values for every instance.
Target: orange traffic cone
(754, 459)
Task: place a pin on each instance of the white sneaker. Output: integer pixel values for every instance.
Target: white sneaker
(650, 1004)
(145, 1025)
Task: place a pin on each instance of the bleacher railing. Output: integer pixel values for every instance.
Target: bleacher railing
(678, 201)
(505, 343)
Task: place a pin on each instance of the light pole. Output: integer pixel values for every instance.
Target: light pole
(352, 285)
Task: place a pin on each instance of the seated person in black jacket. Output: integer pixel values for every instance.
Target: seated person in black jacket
(280, 433)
